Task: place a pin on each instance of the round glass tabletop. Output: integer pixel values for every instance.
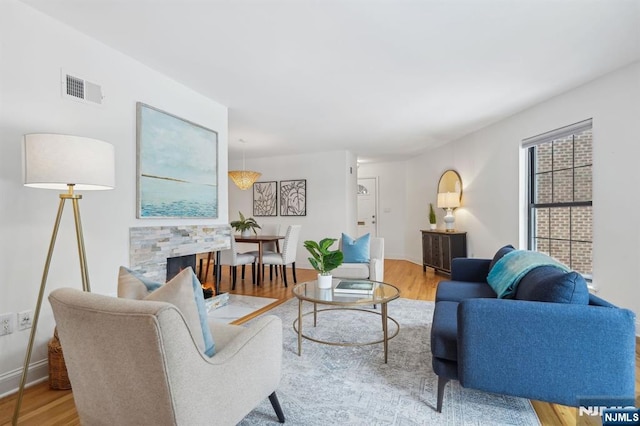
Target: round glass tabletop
(380, 293)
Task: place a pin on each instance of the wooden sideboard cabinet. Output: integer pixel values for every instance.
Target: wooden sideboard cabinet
(439, 247)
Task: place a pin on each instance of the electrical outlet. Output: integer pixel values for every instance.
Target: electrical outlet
(25, 319)
(6, 324)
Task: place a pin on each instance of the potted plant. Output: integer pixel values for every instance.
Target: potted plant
(245, 225)
(324, 260)
(432, 217)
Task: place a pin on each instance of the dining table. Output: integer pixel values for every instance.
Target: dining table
(260, 240)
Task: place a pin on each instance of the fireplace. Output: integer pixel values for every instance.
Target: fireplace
(176, 264)
(151, 246)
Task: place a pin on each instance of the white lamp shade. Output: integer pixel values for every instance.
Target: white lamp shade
(53, 161)
(447, 200)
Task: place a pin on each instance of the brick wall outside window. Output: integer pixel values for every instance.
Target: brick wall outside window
(561, 205)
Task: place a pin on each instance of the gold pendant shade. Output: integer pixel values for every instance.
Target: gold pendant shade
(244, 179)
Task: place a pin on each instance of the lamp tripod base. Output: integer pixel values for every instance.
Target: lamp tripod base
(85, 284)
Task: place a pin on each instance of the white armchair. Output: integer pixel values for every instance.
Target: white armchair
(374, 270)
(135, 362)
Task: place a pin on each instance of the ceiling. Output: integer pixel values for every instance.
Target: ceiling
(385, 79)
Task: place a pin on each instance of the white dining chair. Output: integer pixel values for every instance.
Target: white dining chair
(233, 259)
(268, 229)
(288, 255)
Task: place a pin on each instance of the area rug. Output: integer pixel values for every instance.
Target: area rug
(335, 385)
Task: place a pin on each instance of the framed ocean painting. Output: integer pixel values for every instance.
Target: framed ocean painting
(177, 166)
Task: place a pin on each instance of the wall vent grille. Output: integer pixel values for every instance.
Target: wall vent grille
(79, 89)
(75, 87)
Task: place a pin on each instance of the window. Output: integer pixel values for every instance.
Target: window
(559, 195)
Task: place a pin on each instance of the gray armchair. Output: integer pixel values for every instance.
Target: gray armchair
(136, 362)
(374, 270)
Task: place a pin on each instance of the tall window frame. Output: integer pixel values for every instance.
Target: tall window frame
(559, 195)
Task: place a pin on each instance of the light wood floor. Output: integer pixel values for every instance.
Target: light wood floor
(42, 406)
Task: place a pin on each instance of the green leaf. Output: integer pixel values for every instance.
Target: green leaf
(323, 260)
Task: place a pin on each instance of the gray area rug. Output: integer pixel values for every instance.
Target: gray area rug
(335, 385)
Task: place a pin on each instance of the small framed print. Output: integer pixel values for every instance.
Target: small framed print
(265, 199)
(293, 197)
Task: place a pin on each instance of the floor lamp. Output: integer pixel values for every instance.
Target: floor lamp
(63, 162)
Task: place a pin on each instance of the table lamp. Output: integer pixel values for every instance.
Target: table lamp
(449, 201)
(63, 162)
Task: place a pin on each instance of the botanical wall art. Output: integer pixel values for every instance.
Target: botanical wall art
(293, 197)
(177, 166)
(265, 199)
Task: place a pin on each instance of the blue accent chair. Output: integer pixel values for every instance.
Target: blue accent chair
(552, 342)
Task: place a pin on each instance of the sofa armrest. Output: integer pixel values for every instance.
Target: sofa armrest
(470, 269)
(552, 352)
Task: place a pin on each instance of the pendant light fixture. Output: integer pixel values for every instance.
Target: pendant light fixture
(243, 179)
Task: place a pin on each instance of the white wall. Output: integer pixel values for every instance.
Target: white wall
(491, 166)
(331, 195)
(33, 50)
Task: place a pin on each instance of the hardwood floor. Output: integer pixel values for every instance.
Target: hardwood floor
(43, 407)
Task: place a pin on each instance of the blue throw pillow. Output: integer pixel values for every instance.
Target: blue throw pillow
(500, 254)
(209, 344)
(356, 251)
(550, 284)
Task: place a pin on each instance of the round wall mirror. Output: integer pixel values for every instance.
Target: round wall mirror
(450, 182)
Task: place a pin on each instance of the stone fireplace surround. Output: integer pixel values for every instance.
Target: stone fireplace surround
(151, 246)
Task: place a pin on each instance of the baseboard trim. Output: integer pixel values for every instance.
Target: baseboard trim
(10, 381)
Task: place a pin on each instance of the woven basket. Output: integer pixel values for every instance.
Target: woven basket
(58, 376)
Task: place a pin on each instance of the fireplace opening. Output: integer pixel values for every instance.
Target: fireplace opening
(176, 264)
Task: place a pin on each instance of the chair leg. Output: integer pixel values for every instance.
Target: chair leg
(271, 273)
(253, 273)
(284, 275)
(442, 382)
(234, 272)
(243, 271)
(276, 407)
(293, 269)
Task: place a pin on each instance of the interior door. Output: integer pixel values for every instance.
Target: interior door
(368, 206)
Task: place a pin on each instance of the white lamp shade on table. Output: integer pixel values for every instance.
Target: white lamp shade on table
(448, 200)
(53, 161)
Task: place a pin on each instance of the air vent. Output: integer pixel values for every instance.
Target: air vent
(80, 89)
(75, 87)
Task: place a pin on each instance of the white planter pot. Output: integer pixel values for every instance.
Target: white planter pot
(324, 281)
(433, 226)
(246, 233)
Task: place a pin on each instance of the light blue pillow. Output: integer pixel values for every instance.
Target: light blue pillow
(209, 344)
(128, 278)
(356, 251)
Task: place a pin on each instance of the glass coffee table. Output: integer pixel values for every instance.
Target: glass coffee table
(382, 294)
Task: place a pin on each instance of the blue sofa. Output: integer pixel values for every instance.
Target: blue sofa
(550, 340)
